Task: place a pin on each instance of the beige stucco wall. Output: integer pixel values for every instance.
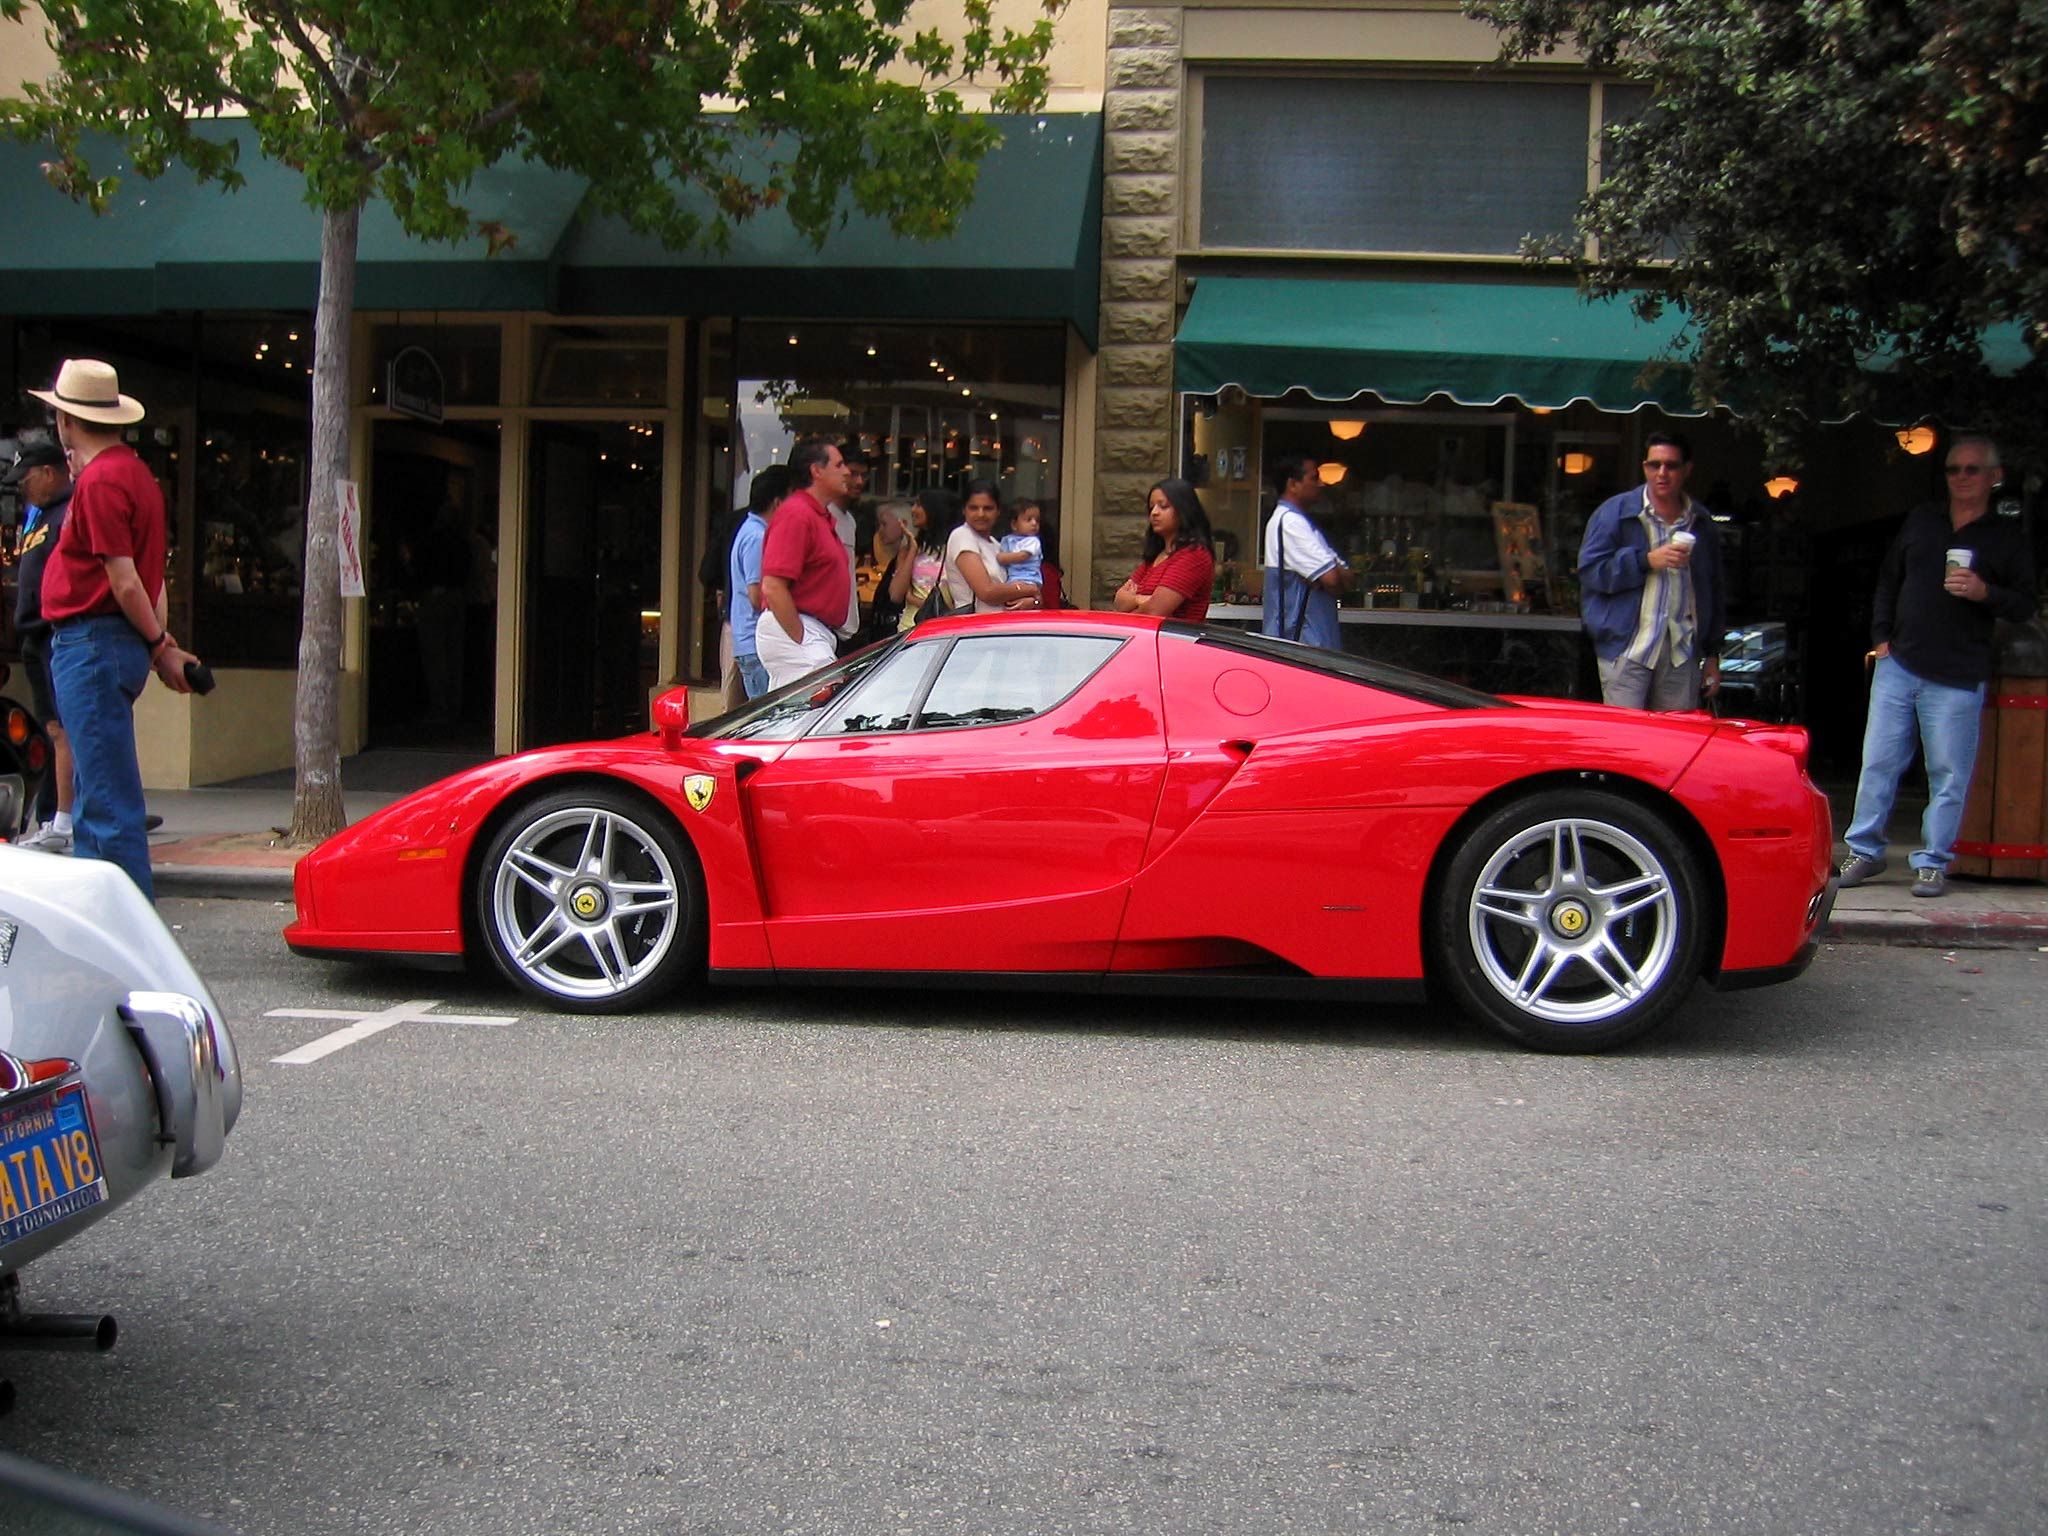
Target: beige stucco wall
(244, 726)
(24, 53)
(1075, 63)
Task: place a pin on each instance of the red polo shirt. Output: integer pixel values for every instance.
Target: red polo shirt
(803, 548)
(116, 509)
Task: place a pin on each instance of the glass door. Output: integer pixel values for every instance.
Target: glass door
(593, 590)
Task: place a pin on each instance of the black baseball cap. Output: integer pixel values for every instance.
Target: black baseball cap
(31, 457)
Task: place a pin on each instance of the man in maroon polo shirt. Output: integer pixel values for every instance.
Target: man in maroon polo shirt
(103, 594)
(804, 568)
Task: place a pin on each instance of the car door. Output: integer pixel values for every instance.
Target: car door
(979, 804)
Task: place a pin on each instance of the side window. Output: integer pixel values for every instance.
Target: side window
(882, 702)
(989, 679)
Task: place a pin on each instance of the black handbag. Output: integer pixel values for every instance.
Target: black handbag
(936, 604)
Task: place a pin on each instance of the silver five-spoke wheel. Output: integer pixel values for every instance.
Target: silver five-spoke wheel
(586, 899)
(1573, 920)
(1570, 920)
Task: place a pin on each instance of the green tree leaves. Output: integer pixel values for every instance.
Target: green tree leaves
(1843, 197)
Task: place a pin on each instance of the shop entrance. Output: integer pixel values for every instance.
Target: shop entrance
(433, 584)
(593, 605)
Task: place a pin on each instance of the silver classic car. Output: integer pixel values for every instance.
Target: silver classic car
(116, 1068)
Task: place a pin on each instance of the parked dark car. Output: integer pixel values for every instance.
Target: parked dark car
(1759, 673)
(24, 758)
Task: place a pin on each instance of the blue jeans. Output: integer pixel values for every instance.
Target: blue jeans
(1945, 721)
(100, 667)
(752, 674)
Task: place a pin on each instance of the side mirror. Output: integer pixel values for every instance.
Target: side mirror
(672, 717)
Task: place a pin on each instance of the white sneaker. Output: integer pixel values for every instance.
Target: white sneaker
(48, 839)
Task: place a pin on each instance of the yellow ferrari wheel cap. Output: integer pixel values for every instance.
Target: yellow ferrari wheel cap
(698, 789)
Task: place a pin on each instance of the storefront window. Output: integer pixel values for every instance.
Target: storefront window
(467, 355)
(929, 406)
(251, 478)
(1337, 164)
(583, 364)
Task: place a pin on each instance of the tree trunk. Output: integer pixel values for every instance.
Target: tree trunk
(316, 716)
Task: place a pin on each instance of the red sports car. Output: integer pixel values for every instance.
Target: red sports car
(1105, 802)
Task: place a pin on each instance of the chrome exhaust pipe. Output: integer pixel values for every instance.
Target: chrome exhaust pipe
(59, 1330)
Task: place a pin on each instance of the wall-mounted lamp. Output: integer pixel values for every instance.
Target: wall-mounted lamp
(1332, 473)
(1576, 463)
(1541, 410)
(1346, 430)
(1917, 440)
(1780, 485)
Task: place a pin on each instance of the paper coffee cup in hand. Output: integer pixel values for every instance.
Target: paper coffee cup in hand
(1961, 559)
(1684, 541)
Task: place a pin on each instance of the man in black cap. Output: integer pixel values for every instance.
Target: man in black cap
(41, 476)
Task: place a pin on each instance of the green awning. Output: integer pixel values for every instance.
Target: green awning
(1028, 248)
(174, 244)
(1477, 343)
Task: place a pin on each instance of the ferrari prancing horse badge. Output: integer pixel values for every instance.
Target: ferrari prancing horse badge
(697, 789)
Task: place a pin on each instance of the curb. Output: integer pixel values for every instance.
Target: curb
(223, 882)
(1960, 930)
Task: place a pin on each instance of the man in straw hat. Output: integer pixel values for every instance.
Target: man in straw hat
(103, 595)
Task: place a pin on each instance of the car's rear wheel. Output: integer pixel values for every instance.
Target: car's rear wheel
(590, 898)
(1571, 921)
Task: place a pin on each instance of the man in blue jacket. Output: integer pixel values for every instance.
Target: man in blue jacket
(1650, 587)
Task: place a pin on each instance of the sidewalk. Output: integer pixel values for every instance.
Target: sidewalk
(227, 841)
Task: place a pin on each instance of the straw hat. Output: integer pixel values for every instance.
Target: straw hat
(91, 391)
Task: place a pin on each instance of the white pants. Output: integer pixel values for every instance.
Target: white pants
(787, 659)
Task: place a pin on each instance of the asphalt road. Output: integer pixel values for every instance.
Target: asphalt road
(889, 1262)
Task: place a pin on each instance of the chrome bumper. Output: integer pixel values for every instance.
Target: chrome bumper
(178, 1044)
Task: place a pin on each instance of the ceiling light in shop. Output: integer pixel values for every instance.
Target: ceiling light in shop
(792, 338)
(1346, 430)
(871, 351)
(965, 390)
(1331, 473)
(1576, 463)
(1917, 440)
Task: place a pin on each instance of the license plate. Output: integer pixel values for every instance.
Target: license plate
(49, 1164)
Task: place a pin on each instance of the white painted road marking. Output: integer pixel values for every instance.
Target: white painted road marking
(418, 1011)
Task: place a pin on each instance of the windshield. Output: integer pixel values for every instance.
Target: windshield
(787, 712)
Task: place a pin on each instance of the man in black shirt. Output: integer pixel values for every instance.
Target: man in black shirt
(41, 476)
(1951, 572)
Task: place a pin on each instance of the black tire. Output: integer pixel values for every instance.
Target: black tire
(591, 899)
(1571, 920)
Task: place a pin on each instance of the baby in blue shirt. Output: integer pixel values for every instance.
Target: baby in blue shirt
(1022, 555)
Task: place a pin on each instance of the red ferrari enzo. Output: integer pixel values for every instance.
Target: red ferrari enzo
(1105, 802)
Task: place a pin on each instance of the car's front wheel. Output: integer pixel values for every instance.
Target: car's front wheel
(590, 899)
(1571, 921)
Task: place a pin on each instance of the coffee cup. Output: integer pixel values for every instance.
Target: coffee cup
(1683, 541)
(1960, 559)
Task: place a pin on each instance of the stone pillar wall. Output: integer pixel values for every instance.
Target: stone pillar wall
(1141, 154)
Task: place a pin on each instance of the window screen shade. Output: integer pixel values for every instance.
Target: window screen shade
(1390, 165)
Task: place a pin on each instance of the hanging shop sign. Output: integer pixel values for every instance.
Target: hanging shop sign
(412, 385)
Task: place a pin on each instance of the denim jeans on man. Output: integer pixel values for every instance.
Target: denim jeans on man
(752, 674)
(100, 666)
(1945, 721)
